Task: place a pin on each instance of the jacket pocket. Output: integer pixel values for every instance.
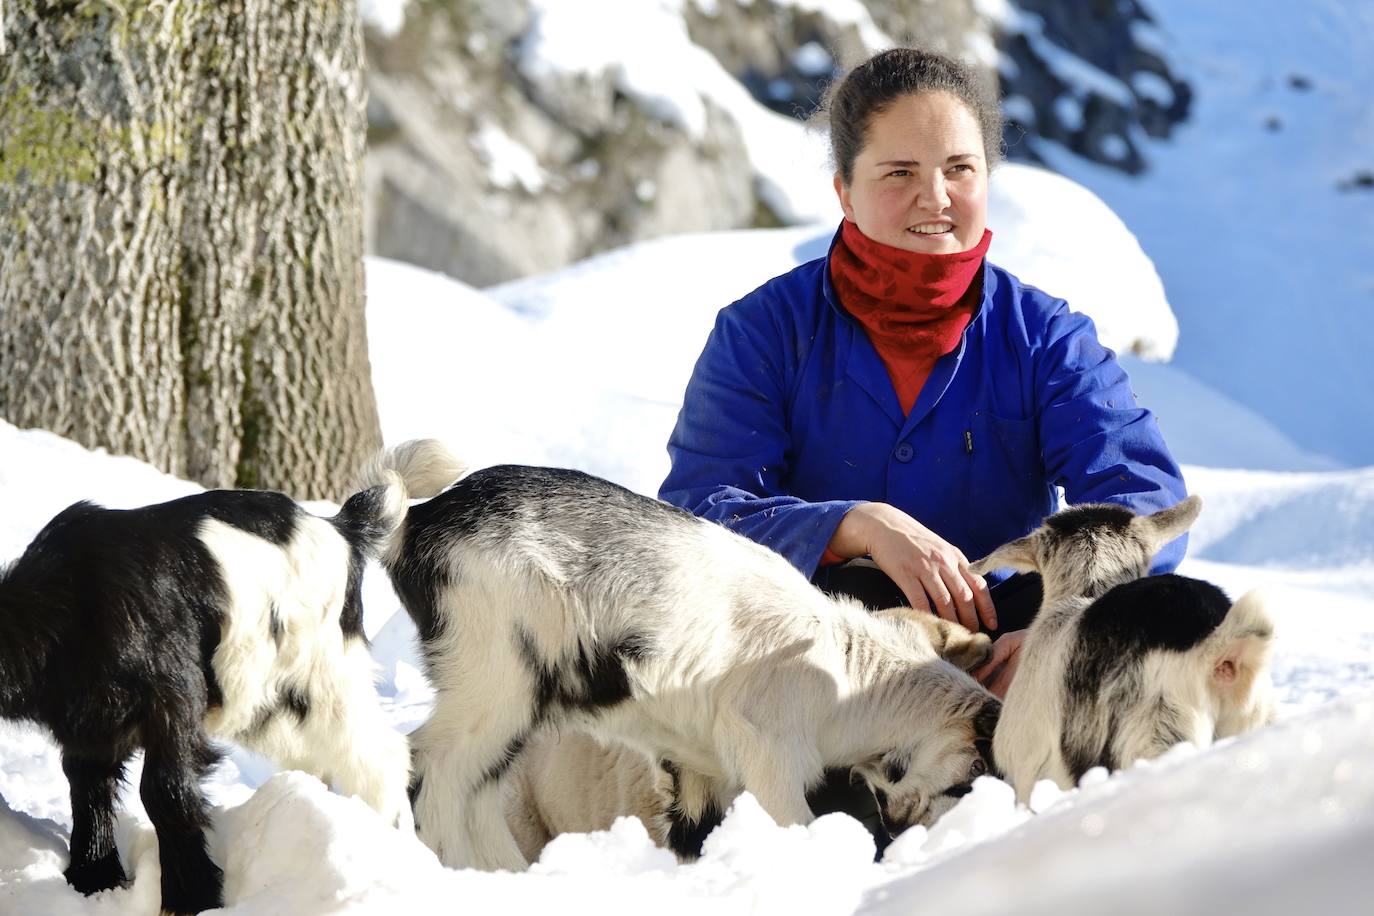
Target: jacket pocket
(1010, 493)
(1017, 441)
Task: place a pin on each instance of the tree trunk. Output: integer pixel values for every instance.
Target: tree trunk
(181, 239)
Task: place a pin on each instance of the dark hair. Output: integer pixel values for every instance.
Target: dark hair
(889, 75)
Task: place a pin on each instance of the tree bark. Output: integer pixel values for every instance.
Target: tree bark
(180, 236)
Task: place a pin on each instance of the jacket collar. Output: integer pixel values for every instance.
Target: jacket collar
(857, 359)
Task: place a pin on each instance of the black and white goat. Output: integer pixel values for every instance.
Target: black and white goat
(551, 598)
(231, 613)
(1119, 666)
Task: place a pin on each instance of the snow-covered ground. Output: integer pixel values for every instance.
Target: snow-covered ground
(585, 368)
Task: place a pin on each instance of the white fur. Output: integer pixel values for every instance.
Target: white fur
(566, 781)
(344, 738)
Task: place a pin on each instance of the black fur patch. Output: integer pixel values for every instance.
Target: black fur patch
(1078, 519)
(211, 627)
(289, 701)
(502, 764)
(585, 680)
(1167, 731)
(984, 728)
(296, 703)
(686, 836)
(1168, 612)
(895, 769)
(351, 614)
(274, 624)
(362, 519)
(413, 790)
(271, 516)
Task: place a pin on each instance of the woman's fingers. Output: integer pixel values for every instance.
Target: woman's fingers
(982, 598)
(1000, 649)
(997, 673)
(915, 595)
(940, 599)
(965, 612)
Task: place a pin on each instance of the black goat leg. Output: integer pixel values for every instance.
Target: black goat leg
(95, 860)
(174, 762)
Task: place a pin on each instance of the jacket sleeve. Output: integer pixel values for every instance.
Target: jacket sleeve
(730, 449)
(1098, 443)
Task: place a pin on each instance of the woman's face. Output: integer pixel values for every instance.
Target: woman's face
(921, 181)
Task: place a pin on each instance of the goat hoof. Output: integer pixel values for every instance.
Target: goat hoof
(967, 650)
(93, 877)
(194, 892)
(191, 902)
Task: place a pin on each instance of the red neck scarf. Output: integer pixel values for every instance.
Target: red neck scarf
(913, 305)
(906, 299)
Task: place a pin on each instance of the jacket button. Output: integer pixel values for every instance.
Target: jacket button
(904, 453)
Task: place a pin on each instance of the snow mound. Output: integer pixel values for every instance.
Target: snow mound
(1273, 822)
(1056, 234)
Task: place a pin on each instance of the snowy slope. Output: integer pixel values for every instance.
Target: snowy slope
(1252, 214)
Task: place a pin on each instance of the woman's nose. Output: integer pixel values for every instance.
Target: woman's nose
(933, 194)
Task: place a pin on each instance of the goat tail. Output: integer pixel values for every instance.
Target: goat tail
(423, 467)
(417, 468)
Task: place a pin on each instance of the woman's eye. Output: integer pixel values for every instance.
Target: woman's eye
(898, 173)
(961, 167)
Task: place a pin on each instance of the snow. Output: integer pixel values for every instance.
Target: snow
(1071, 69)
(672, 78)
(585, 368)
(1056, 234)
(509, 163)
(1266, 261)
(572, 38)
(386, 16)
(846, 13)
(812, 59)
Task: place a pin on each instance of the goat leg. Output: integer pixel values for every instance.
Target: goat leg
(173, 765)
(94, 784)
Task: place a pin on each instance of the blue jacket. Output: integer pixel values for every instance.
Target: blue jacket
(790, 419)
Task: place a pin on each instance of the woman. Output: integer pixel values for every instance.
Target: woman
(902, 398)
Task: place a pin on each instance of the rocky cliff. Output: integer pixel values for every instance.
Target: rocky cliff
(511, 137)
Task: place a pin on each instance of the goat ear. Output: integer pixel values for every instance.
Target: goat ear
(1166, 524)
(868, 768)
(985, 721)
(1239, 681)
(1240, 666)
(1018, 554)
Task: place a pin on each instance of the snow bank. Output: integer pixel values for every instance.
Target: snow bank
(1276, 821)
(1056, 234)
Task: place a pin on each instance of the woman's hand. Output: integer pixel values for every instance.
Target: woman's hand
(918, 560)
(997, 672)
